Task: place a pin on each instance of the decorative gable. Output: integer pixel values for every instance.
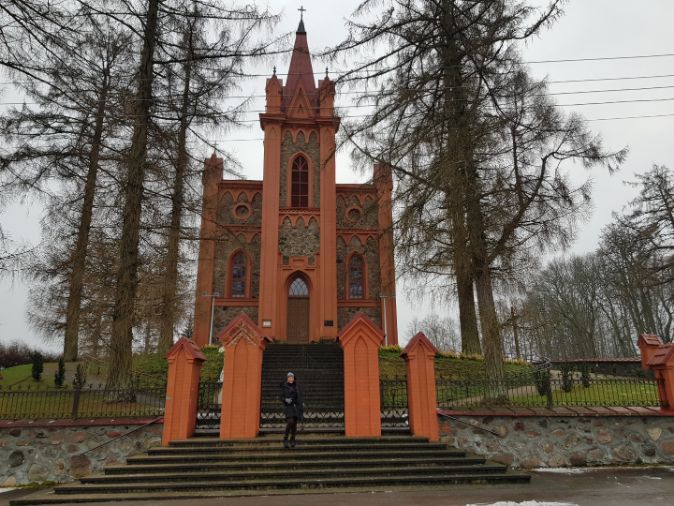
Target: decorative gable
(300, 107)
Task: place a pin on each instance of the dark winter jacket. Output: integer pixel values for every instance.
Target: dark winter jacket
(291, 397)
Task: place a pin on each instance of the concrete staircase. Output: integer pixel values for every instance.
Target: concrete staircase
(319, 371)
(324, 461)
(206, 467)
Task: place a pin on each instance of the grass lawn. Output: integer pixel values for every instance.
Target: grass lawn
(20, 376)
(392, 365)
(150, 369)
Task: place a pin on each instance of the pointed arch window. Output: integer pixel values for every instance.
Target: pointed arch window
(298, 288)
(239, 275)
(300, 183)
(356, 277)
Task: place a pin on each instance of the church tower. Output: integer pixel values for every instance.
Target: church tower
(298, 253)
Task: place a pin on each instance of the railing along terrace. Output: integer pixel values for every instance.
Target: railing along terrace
(209, 405)
(86, 402)
(393, 394)
(548, 388)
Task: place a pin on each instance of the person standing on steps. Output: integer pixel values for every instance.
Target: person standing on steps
(291, 397)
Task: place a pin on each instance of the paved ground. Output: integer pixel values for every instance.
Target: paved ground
(598, 487)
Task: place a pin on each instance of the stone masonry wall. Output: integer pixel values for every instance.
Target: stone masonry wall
(55, 454)
(530, 442)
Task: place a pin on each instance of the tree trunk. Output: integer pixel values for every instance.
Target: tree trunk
(79, 257)
(120, 371)
(470, 337)
(516, 336)
(170, 288)
(457, 150)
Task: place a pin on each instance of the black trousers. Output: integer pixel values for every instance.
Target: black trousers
(291, 427)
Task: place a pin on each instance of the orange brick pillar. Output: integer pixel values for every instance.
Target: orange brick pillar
(206, 289)
(419, 355)
(182, 390)
(361, 340)
(242, 382)
(383, 182)
(662, 364)
(648, 344)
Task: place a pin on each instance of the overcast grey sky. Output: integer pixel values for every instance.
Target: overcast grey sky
(590, 29)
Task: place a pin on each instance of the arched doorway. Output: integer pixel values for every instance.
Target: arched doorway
(298, 310)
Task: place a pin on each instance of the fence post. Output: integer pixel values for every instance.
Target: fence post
(360, 341)
(182, 390)
(77, 391)
(419, 355)
(242, 382)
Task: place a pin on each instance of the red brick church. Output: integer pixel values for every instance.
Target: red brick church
(298, 253)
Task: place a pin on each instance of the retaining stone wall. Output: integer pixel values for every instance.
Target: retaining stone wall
(530, 442)
(39, 454)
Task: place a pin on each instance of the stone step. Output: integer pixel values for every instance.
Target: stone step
(302, 447)
(290, 464)
(322, 488)
(264, 484)
(283, 455)
(380, 469)
(313, 440)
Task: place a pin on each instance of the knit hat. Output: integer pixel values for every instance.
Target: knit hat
(290, 374)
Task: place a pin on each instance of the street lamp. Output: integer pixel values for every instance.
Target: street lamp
(213, 296)
(384, 318)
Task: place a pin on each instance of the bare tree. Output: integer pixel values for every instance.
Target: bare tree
(474, 141)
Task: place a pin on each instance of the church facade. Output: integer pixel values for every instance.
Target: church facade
(296, 252)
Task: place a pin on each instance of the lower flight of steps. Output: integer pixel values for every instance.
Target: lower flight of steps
(205, 467)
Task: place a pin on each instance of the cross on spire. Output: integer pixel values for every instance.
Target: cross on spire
(302, 11)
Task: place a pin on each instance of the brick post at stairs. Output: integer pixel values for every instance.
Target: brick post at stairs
(662, 364)
(648, 344)
(360, 341)
(182, 390)
(242, 383)
(419, 355)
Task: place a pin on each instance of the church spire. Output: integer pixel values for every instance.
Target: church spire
(301, 72)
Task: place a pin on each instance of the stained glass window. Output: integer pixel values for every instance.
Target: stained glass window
(298, 288)
(356, 283)
(300, 183)
(239, 275)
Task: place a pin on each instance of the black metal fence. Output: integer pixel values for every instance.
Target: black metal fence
(87, 402)
(209, 406)
(393, 395)
(548, 388)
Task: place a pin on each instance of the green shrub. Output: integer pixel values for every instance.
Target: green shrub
(567, 378)
(38, 365)
(585, 376)
(80, 378)
(60, 374)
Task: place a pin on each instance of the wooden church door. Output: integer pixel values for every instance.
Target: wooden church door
(298, 311)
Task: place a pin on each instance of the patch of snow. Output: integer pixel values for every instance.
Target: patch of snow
(526, 503)
(564, 470)
(3, 490)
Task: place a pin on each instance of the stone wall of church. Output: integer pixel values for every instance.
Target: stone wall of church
(230, 242)
(299, 240)
(346, 314)
(224, 314)
(356, 212)
(370, 252)
(311, 148)
(240, 209)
